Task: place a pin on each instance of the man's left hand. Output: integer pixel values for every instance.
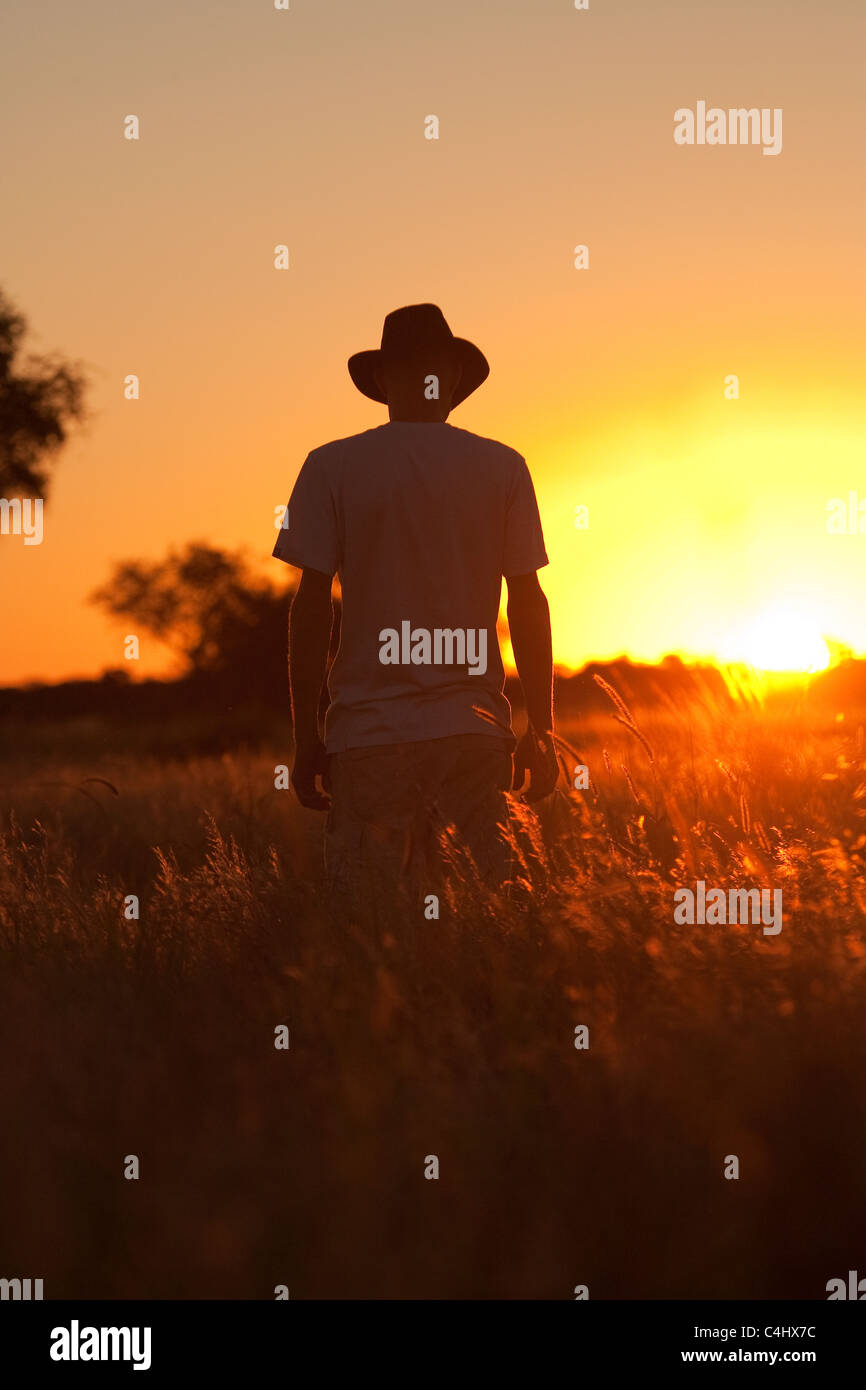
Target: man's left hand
(311, 761)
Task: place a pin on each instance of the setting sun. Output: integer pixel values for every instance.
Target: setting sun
(784, 636)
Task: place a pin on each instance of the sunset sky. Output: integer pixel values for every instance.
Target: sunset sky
(707, 517)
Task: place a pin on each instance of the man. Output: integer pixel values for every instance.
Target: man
(421, 521)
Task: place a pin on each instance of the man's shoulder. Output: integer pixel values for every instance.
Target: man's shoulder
(336, 448)
(375, 440)
(492, 448)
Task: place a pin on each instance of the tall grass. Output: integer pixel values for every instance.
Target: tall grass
(451, 1037)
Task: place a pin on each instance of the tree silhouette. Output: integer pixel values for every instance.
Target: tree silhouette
(39, 398)
(204, 603)
(227, 626)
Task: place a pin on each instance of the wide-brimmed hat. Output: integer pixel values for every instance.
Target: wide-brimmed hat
(407, 332)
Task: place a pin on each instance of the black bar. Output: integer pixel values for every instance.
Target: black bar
(311, 1340)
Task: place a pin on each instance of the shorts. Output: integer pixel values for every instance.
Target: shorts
(390, 805)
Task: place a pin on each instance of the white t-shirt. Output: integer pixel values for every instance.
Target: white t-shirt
(421, 521)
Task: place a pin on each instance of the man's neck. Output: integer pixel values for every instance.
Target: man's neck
(411, 417)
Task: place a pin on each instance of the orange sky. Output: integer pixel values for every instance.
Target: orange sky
(707, 517)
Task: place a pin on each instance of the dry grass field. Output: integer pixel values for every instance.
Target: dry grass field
(454, 1037)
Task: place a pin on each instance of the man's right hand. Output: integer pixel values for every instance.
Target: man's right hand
(536, 754)
(311, 761)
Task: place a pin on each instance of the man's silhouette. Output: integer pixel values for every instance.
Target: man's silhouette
(421, 521)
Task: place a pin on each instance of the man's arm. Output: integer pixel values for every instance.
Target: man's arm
(309, 637)
(529, 627)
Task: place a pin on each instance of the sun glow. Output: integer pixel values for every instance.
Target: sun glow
(784, 636)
